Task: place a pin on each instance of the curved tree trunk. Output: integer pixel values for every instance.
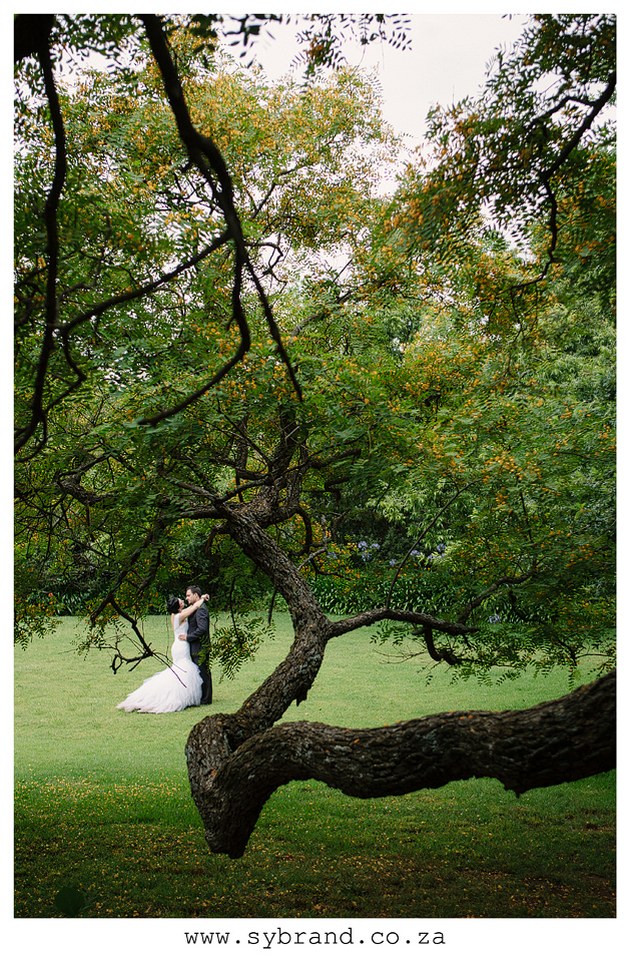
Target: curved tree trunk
(235, 762)
(557, 741)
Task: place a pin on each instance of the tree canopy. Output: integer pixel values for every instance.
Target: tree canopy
(238, 358)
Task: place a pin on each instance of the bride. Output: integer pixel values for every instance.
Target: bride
(176, 687)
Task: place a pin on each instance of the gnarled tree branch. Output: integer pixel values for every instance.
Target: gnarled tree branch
(208, 160)
(554, 742)
(51, 210)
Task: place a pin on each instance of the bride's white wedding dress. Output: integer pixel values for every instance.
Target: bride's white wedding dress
(174, 688)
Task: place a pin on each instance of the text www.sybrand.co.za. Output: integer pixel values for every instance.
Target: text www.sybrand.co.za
(280, 936)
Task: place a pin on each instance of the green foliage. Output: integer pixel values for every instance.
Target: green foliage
(516, 507)
(457, 373)
(123, 195)
(236, 641)
(526, 144)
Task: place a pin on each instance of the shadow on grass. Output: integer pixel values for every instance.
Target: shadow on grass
(470, 850)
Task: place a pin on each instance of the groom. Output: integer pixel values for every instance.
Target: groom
(197, 631)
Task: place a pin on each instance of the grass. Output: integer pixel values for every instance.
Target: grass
(103, 809)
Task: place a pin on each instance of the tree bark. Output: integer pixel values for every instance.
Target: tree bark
(31, 34)
(236, 762)
(554, 742)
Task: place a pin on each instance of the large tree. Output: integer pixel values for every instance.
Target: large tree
(226, 336)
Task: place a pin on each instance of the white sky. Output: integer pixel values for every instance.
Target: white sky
(446, 61)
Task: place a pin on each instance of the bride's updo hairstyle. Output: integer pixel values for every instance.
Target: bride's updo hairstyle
(172, 605)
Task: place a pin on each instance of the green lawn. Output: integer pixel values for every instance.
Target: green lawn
(103, 807)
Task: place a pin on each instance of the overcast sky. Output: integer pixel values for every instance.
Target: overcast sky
(447, 60)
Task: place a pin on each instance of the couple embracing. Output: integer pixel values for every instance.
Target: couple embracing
(186, 682)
